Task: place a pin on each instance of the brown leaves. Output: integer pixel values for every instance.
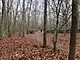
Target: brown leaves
(28, 48)
(17, 48)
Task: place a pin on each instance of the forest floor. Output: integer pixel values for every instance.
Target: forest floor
(29, 47)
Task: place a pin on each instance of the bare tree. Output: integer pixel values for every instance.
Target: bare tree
(23, 18)
(14, 28)
(45, 22)
(72, 46)
(29, 17)
(57, 22)
(2, 19)
(9, 15)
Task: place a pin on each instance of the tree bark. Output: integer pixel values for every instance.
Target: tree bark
(2, 19)
(29, 17)
(45, 22)
(23, 18)
(72, 47)
(14, 28)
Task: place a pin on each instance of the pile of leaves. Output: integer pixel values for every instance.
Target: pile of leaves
(18, 48)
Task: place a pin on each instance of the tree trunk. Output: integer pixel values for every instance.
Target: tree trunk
(2, 19)
(29, 17)
(72, 47)
(14, 28)
(23, 18)
(8, 17)
(56, 30)
(45, 22)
